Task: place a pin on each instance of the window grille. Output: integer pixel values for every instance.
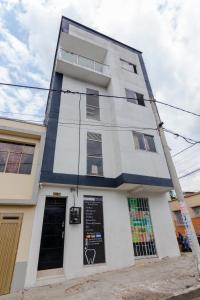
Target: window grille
(141, 227)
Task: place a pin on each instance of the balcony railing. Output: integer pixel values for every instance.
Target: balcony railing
(83, 61)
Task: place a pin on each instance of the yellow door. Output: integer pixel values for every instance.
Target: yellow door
(10, 225)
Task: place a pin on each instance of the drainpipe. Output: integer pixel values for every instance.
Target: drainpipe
(194, 244)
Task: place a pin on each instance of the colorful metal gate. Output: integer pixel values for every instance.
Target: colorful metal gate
(141, 227)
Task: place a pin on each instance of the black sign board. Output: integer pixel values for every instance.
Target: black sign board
(93, 231)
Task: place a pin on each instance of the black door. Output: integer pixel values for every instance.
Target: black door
(53, 232)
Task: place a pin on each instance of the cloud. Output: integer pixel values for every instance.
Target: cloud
(166, 31)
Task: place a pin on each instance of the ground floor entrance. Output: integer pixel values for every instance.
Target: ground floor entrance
(141, 227)
(53, 233)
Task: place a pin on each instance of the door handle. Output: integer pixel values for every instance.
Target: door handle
(63, 234)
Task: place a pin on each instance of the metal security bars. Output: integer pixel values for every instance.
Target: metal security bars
(141, 227)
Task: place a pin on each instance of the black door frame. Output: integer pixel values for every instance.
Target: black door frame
(64, 198)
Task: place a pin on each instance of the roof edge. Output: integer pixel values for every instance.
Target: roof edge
(100, 34)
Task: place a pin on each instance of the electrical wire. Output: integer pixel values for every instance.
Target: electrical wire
(188, 140)
(189, 173)
(183, 150)
(100, 95)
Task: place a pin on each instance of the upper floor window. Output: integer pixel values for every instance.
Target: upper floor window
(92, 105)
(144, 142)
(196, 210)
(134, 97)
(178, 216)
(94, 154)
(16, 158)
(128, 66)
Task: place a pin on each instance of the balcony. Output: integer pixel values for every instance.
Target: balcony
(82, 68)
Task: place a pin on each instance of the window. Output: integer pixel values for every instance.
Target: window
(178, 216)
(141, 227)
(144, 142)
(92, 105)
(135, 97)
(128, 66)
(94, 154)
(196, 210)
(16, 158)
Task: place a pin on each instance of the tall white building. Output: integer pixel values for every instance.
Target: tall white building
(103, 198)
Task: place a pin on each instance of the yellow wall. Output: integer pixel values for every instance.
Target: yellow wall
(20, 186)
(26, 229)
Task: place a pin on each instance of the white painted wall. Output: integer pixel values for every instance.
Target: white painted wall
(164, 230)
(119, 153)
(118, 242)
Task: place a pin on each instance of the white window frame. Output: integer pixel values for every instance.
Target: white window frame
(95, 156)
(135, 70)
(144, 141)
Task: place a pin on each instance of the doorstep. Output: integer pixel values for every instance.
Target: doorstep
(50, 276)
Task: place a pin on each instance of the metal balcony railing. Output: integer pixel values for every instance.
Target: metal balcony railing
(83, 61)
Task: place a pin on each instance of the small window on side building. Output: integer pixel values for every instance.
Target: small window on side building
(196, 210)
(178, 216)
(16, 158)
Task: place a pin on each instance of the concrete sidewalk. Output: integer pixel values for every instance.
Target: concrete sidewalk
(154, 279)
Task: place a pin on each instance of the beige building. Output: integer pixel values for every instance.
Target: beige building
(193, 202)
(21, 150)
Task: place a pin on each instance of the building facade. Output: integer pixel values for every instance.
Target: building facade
(103, 197)
(192, 200)
(21, 150)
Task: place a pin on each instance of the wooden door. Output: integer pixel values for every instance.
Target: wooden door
(10, 225)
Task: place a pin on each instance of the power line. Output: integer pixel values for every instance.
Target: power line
(188, 140)
(100, 95)
(183, 150)
(189, 173)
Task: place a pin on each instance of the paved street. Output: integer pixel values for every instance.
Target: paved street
(154, 279)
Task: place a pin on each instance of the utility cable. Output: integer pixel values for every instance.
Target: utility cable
(183, 150)
(189, 173)
(100, 95)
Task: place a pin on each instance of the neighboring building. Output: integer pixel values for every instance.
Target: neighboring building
(21, 150)
(122, 211)
(192, 200)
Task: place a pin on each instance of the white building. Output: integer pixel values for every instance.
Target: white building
(114, 157)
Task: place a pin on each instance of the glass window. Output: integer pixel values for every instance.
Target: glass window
(92, 105)
(131, 94)
(178, 216)
(149, 141)
(94, 154)
(196, 210)
(144, 142)
(16, 158)
(136, 98)
(139, 140)
(128, 66)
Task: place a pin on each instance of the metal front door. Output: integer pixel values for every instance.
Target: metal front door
(10, 225)
(141, 227)
(53, 232)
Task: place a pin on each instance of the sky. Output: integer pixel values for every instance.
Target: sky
(167, 32)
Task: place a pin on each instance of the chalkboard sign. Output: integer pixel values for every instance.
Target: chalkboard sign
(93, 231)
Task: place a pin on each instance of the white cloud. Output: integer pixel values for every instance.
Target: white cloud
(166, 31)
